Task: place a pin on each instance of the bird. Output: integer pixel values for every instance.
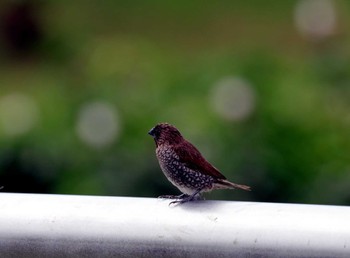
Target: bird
(185, 167)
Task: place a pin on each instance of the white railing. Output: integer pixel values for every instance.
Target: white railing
(35, 225)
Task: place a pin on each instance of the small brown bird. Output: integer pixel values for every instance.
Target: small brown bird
(185, 167)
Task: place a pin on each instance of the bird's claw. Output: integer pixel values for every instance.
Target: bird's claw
(187, 198)
(181, 196)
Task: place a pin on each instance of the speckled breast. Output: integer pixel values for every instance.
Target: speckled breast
(185, 179)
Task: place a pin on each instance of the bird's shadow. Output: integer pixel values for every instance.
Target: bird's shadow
(199, 205)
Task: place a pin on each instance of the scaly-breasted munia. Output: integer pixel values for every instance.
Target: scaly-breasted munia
(184, 165)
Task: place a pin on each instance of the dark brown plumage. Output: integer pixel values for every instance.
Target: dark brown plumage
(184, 165)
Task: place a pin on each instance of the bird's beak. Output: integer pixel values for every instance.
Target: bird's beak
(151, 132)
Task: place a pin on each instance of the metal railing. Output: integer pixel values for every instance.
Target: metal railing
(36, 225)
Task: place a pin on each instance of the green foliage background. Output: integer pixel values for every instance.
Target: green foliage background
(157, 61)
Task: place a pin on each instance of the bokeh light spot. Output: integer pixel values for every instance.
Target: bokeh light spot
(315, 19)
(18, 114)
(233, 98)
(98, 124)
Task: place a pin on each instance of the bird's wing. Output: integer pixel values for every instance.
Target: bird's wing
(193, 159)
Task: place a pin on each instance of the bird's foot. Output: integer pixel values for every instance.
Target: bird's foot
(188, 198)
(181, 196)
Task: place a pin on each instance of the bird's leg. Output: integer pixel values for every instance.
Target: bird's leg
(181, 196)
(189, 198)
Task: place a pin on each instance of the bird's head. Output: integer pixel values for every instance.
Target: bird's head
(165, 133)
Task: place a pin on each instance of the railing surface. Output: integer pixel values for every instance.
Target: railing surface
(35, 225)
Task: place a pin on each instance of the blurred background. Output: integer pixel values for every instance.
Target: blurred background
(262, 88)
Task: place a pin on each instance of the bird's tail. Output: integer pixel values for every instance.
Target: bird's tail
(223, 183)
